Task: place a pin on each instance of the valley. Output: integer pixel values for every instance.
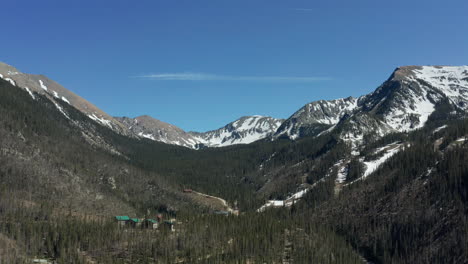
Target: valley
(383, 176)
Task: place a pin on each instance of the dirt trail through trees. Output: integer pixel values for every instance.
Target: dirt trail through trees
(223, 202)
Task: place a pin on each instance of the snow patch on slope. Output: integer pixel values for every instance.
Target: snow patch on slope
(148, 136)
(11, 81)
(402, 119)
(372, 166)
(42, 85)
(60, 109)
(446, 78)
(30, 93)
(101, 120)
(288, 202)
(342, 174)
(439, 129)
(65, 100)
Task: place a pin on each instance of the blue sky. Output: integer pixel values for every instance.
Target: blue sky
(201, 64)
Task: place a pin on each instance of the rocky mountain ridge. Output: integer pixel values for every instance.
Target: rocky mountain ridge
(402, 103)
(244, 130)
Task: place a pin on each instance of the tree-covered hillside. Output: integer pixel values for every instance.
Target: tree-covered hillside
(63, 177)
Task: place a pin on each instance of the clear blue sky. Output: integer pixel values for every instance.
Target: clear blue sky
(209, 62)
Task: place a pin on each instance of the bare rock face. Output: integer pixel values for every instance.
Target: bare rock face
(154, 129)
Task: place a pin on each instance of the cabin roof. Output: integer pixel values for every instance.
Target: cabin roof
(122, 218)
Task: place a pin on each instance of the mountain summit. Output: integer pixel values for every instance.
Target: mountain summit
(402, 103)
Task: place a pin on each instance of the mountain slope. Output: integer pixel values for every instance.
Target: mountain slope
(154, 129)
(411, 207)
(55, 92)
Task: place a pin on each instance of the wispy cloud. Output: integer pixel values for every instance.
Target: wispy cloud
(214, 77)
(303, 9)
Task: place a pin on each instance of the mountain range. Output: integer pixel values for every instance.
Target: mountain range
(402, 103)
(244, 130)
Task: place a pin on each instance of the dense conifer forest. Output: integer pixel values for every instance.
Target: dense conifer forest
(59, 193)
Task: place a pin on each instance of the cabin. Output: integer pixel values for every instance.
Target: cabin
(134, 222)
(150, 224)
(121, 220)
(188, 190)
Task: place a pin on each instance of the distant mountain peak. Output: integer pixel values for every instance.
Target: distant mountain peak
(244, 130)
(316, 116)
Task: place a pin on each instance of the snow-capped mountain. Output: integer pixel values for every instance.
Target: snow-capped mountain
(242, 131)
(245, 130)
(314, 117)
(412, 94)
(402, 103)
(55, 92)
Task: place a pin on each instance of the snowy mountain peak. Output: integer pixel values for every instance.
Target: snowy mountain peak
(245, 130)
(256, 122)
(402, 103)
(436, 76)
(411, 95)
(316, 116)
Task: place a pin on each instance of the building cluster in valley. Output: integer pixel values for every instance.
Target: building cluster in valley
(124, 221)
